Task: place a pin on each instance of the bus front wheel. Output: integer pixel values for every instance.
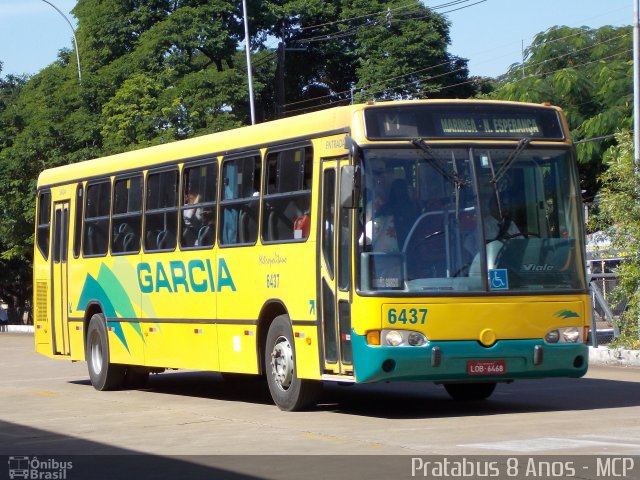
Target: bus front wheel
(470, 391)
(103, 374)
(289, 392)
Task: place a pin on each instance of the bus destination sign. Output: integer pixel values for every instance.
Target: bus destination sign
(465, 121)
(500, 126)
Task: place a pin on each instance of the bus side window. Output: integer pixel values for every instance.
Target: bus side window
(126, 218)
(198, 209)
(287, 201)
(44, 223)
(77, 237)
(161, 211)
(240, 198)
(96, 219)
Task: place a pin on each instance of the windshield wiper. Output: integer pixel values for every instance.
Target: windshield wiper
(522, 144)
(454, 178)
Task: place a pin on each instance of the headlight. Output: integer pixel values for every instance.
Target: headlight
(552, 337)
(571, 335)
(564, 335)
(403, 338)
(393, 338)
(416, 339)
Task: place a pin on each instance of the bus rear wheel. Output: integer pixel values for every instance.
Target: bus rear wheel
(104, 375)
(470, 391)
(289, 392)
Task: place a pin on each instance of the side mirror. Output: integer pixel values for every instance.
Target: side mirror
(349, 186)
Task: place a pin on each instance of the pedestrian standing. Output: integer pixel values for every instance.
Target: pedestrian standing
(4, 319)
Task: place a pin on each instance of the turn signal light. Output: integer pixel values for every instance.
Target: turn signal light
(373, 337)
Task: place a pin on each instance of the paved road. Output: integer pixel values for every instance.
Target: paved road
(48, 407)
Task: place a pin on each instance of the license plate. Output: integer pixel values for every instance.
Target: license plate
(486, 367)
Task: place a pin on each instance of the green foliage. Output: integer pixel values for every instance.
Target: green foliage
(619, 217)
(589, 74)
(377, 49)
(130, 118)
(160, 70)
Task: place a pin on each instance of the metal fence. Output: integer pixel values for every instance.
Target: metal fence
(605, 312)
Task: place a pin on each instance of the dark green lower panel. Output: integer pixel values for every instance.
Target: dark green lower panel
(373, 363)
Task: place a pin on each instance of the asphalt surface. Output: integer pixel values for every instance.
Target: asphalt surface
(48, 407)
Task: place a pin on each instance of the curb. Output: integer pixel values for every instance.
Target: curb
(614, 357)
(20, 328)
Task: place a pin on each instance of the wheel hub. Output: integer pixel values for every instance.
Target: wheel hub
(96, 356)
(282, 363)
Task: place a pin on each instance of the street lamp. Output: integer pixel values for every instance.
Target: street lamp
(73, 32)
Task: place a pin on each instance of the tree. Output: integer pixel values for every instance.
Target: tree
(619, 216)
(376, 49)
(589, 74)
(161, 70)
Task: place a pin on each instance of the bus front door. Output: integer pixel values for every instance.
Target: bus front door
(59, 272)
(335, 279)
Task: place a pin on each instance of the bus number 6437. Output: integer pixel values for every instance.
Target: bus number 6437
(407, 315)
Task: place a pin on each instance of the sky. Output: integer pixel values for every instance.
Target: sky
(489, 33)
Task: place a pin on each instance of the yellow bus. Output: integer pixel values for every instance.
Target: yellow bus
(437, 240)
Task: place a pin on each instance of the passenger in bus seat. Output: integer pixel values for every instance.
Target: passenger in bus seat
(192, 216)
(401, 209)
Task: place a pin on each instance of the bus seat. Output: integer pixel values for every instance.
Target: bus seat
(291, 212)
(271, 226)
(243, 227)
(189, 236)
(130, 243)
(150, 241)
(90, 245)
(205, 236)
(166, 239)
(121, 232)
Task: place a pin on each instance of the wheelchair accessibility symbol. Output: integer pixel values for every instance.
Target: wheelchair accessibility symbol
(498, 279)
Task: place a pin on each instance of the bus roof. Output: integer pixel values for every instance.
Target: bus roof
(309, 125)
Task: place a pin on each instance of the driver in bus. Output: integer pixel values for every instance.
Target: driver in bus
(494, 227)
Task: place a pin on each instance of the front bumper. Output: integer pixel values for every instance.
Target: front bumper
(385, 363)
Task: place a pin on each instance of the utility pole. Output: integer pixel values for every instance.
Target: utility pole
(636, 92)
(73, 32)
(636, 102)
(247, 49)
(280, 95)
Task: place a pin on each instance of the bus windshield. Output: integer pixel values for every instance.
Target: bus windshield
(500, 218)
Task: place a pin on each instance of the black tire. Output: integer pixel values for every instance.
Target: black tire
(104, 375)
(289, 392)
(135, 377)
(466, 392)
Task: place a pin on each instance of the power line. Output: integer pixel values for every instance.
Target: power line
(414, 72)
(423, 94)
(367, 87)
(335, 22)
(594, 139)
(502, 46)
(579, 65)
(401, 7)
(578, 50)
(353, 30)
